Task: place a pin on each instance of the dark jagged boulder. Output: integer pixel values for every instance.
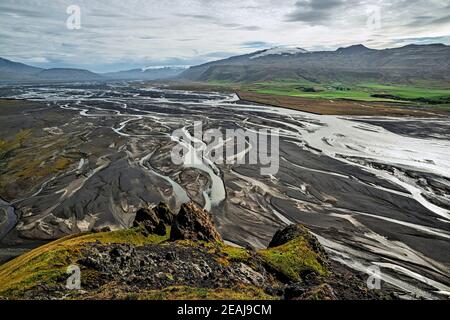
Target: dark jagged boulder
(164, 213)
(148, 219)
(194, 223)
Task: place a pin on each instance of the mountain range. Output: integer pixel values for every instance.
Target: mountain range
(357, 63)
(146, 73)
(11, 71)
(351, 64)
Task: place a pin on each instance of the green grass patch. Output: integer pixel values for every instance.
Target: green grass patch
(306, 89)
(235, 254)
(407, 92)
(294, 258)
(132, 236)
(359, 92)
(48, 263)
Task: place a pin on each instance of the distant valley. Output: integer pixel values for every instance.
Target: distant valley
(11, 72)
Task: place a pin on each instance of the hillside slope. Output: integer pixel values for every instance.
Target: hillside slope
(167, 256)
(357, 63)
(11, 71)
(64, 74)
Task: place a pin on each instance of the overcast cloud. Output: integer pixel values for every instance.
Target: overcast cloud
(118, 34)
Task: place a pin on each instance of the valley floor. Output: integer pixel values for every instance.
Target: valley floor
(80, 156)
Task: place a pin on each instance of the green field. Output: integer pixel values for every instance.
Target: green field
(360, 92)
(407, 92)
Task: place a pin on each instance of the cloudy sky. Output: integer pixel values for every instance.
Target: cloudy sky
(120, 34)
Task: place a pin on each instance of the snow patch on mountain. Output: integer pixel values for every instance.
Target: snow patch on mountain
(279, 51)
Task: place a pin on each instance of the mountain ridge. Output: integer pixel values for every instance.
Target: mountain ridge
(355, 63)
(11, 71)
(145, 73)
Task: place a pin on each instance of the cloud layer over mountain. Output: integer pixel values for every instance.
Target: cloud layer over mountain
(127, 34)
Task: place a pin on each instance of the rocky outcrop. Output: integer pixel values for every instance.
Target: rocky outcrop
(150, 222)
(164, 213)
(194, 223)
(294, 231)
(146, 262)
(191, 222)
(154, 219)
(289, 233)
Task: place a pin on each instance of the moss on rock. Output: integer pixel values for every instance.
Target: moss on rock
(296, 258)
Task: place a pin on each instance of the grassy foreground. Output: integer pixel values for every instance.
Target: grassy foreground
(46, 266)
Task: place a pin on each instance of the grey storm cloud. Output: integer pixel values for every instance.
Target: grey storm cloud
(136, 33)
(315, 11)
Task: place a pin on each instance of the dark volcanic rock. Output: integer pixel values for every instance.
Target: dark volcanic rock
(148, 219)
(164, 213)
(194, 223)
(159, 266)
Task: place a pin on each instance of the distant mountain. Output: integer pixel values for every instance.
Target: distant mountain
(351, 64)
(65, 74)
(11, 71)
(355, 49)
(146, 73)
